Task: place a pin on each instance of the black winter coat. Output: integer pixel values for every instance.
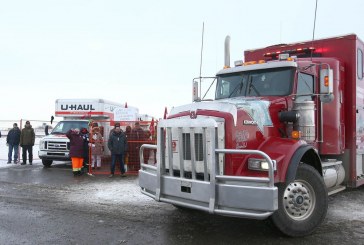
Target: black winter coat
(118, 143)
(13, 137)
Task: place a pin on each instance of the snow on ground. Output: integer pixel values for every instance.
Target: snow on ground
(4, 152)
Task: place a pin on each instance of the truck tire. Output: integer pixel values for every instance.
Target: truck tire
(47, 163)
(302, 204)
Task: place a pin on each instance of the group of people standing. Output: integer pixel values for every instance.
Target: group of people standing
(126, 145)
(80, 142)
(25, 138)
(117, 143)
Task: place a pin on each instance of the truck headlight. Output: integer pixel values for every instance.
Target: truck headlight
(42, 144)
(260, 164)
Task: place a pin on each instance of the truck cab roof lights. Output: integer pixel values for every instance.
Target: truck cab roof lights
(283, 56)
(249, 63)
(306, 50)
(253, 62)
(238, 62)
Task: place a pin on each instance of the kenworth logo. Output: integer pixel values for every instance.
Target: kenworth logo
(249, 122)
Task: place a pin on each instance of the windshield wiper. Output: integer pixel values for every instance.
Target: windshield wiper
(251, 86)
(239, 85)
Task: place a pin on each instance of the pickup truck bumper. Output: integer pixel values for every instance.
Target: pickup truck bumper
(54, 155)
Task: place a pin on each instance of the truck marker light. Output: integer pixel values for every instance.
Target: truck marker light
(291, 51)
(296, 135)
(249, 63)
(326, 81)
(261, 61)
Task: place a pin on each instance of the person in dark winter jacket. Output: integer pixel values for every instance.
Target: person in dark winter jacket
(137, 138)
(86, 151)
(13, 141)
(117, 144)
(76, 150)
(27, 138)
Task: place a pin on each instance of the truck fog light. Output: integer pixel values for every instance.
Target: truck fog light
(260, 164)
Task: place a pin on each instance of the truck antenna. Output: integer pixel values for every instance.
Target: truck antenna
(314, 26)
(203, 31)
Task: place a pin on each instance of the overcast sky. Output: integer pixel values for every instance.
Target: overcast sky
(145, 53)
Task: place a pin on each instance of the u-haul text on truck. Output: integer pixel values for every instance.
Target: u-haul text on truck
(77, 113)
(285, 130)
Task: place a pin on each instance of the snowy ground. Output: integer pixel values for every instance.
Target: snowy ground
(4, 152)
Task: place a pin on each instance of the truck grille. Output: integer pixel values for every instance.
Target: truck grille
(58, 146)
(186, 141)
(185, 149)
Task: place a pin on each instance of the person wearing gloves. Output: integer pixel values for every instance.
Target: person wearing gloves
(12, 141)
(117, 144)
(27, 138)
(96, 141)
(76, 150)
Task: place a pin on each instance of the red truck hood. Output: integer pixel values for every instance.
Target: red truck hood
(256, 108)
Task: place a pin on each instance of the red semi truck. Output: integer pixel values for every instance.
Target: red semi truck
(284, 131)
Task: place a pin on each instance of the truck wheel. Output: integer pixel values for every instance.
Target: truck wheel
(302, 204)
(47, 163)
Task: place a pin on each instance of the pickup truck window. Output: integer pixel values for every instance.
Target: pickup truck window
(64, 126)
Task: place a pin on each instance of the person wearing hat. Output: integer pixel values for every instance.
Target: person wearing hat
(112, 130)
(76, 150)
(27, 138)
(118, 145)
(12, 141)
(96, 142)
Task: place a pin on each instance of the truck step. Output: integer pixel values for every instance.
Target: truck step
(335, 189)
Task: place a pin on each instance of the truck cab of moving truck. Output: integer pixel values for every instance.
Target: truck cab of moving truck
(56, 146)
(78, 113)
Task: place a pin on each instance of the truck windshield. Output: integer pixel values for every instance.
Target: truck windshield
(268, 82)
(64, 126)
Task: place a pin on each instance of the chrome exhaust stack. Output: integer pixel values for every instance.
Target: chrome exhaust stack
(227, 52)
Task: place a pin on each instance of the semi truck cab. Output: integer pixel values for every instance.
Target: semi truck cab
(280, 136)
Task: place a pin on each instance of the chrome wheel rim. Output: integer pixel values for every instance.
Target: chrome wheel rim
(299, 200)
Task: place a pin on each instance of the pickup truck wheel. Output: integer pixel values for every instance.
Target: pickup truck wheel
(47, 163)
(302, 204)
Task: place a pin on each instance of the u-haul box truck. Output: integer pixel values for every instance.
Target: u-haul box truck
(77, 113)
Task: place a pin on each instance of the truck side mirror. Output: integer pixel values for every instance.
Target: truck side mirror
(326, 85)
(195, 91)
(46, 130)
